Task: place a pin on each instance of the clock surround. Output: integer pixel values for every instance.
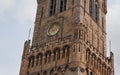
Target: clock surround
(53, 29)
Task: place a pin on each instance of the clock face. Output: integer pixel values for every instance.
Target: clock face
(53, 29)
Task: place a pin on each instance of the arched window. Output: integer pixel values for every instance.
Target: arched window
(45, 73)
(49, 59)
(63, 53)
(84, 6)
(54, 55)
(87, 71)
(38, 73)
(103, 5)
(109, 71)
(84, 3)
(52, 72)
(104, 69)
(52, 7)
(101, 67)
(72, 2)
(28, 73)
(58, 54)
(90, 7)
(39, 59)
(31, 62)
(91, 73)
(63, 4)
(66, 51)
(96, 11)
(45, 58)
(59, 71)
(103, 23)
(88, 55)
(93, 60)
(98, 64)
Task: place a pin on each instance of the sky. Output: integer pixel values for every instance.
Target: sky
(18, 16)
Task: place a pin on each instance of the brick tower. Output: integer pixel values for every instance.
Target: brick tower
(69, 39)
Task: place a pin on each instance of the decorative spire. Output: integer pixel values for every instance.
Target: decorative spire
(29, 34)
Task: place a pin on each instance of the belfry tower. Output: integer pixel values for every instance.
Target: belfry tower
(69, 39)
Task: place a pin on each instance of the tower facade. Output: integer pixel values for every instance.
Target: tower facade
(69, 39)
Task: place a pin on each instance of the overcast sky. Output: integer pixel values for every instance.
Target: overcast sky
(18, 16)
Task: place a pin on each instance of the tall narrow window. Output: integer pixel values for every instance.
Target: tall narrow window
(28, 73)
(72, 2)
(42, 12)
(103, 5)
(39, 59)
(58, 55)
(87, 71)
(33, 62)
(52, 7)
(63, 53)
(68, 51)
(45, 58)
(84, 3)
(91, 73)
(38, 73)
(84, 6)
(102, 23)
(90, 8)
(54, 57)
(63, 4)
(45, 73)
(96, 12)
(29, 64)
(49, 57)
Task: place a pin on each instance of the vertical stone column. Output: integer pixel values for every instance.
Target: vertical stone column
(43, 59)
(52, 56)
(35, 61)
